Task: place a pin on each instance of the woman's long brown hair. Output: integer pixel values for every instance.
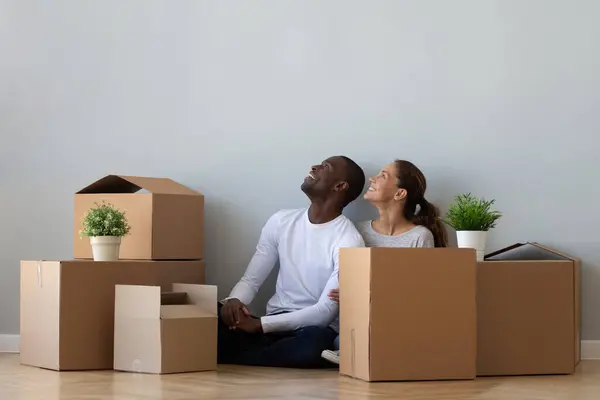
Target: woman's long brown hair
(411, 179)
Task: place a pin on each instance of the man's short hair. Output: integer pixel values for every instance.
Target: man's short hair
(355, 176)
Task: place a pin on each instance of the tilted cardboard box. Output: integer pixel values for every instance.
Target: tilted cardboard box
(408, 313)
(166, 218)
(528, 311)
(67, 307)
(165, 333)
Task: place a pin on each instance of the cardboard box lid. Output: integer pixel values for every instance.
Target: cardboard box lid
(133, 184)
(147, 302)
(528, 251)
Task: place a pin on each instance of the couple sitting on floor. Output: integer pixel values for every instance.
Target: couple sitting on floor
(301, 325)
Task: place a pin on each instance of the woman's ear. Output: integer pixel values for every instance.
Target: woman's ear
(400, 194)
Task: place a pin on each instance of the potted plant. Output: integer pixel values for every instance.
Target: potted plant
(472, 218)
(105, 225)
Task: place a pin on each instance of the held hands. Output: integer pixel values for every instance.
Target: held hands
(232, 312)
(235, 315)
(249, 324)
(334, 295)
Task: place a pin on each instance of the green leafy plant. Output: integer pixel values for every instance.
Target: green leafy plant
(105, 220)
(468, 213)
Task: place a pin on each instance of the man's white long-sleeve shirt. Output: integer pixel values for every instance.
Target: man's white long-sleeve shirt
(308, 256)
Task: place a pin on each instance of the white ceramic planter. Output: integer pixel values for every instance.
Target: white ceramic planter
(474, 240)
(105, 248)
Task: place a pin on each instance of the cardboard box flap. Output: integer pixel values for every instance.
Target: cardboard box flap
(135, 301)
(529, 251)
(133, 184)
(558, 253)
(173, 298)
(203, 296)
(180, 311)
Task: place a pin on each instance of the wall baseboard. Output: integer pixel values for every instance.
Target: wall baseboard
(9, 343)
(590, 349)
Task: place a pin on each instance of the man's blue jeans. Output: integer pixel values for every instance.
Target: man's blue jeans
(336, 343)
(301, 348)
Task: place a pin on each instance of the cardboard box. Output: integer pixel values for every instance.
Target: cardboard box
(528, 312)
(408, 314)
(169, 333)
(67, 307)
(166, 218)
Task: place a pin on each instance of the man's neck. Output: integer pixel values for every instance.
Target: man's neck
(322, 212)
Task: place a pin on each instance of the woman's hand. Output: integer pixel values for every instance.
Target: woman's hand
(334, 295)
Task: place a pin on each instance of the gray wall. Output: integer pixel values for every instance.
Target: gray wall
(237, 99)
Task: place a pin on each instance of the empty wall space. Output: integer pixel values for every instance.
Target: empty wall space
(237, 100)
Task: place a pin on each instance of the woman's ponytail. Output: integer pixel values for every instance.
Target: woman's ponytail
(429, 217)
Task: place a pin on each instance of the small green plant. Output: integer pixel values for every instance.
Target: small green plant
(105, 220)
(468, 213)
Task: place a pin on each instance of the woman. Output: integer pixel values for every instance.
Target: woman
(406, 218)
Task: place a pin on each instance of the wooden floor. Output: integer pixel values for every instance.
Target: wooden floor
(19, 382)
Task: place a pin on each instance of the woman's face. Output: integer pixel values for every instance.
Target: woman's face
(384, 187)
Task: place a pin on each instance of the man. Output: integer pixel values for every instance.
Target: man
(301, 319)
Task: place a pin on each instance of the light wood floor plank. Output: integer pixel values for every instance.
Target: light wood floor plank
(19, 382)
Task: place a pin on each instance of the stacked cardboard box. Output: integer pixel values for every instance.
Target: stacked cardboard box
(67, 307)
(167, 218)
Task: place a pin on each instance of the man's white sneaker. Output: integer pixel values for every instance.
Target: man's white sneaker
(333, 356)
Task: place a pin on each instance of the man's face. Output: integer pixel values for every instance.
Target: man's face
(325, 178)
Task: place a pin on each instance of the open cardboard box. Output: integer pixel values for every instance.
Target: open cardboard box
(528, 312)
(166, 218)
(162, 333)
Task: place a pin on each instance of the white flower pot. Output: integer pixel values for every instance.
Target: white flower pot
(105, 248)
(474, 240)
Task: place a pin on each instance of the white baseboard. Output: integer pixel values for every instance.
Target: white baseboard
(590, 349)
(9, 343)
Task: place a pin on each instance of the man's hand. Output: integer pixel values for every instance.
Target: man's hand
(334, 295)
(249, 325)
(233, 311)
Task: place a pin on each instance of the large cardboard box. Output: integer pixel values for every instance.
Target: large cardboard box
(408, 314)
(166, 218)
(528, 312)
(67, 307)
(165, 333)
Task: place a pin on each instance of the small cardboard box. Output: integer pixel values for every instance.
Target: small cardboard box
(408, 314)
(166, 218)
(67, 307)
(528, 312)
(165, 333)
